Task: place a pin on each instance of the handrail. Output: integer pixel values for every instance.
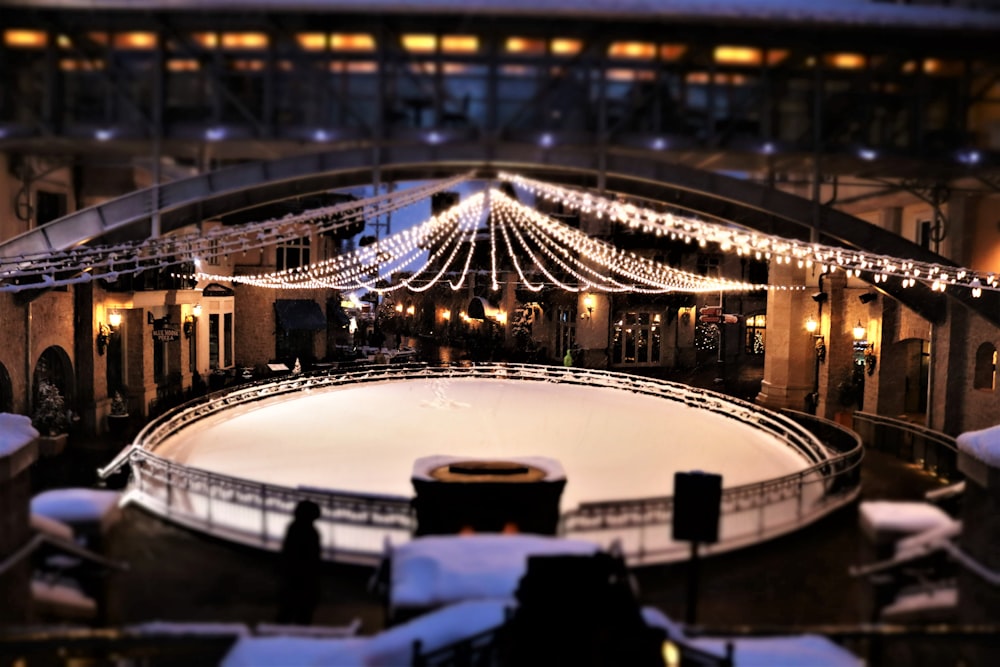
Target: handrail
(936, 452)
(200, 499)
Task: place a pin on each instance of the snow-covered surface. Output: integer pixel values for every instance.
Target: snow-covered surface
(298, 651)
(366, 437)
(847, 12)
(76, 505)
(433, 571)
(983, 445)
(793, 651)
(16, 432)
(928, 540)
(880, 517)
(62, 599)
(51, 527)
(388, 648)
(186, 629)
(921, 605)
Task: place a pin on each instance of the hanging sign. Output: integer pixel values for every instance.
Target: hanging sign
(164, 331)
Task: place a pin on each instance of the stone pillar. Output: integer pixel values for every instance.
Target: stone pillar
(979, 601)
(790, 357)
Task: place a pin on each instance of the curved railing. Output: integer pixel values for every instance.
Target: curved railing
(354, 526)
(935, 452)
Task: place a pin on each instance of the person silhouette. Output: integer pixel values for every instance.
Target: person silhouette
(299, 573)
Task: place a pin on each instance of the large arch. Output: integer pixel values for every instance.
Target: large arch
(646, 174)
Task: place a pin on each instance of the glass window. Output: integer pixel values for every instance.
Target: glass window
(213, 341)
(292, 254)
(566, 331)
(636, 339)
(755, 328)
(986, 368)
(228, 338)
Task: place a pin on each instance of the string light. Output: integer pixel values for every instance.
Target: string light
(747, 243)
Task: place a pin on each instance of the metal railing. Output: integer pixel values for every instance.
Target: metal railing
(935, 452)
(355, 526)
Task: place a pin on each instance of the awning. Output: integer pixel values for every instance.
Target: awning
(299, 315)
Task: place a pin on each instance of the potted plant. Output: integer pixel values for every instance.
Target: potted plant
(118, 418)
(51, 418)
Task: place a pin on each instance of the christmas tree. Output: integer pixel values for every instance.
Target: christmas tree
(51, 415)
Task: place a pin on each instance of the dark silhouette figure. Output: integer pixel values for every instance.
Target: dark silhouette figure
(299, 571)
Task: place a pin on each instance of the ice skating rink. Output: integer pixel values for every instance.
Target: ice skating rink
(613, 444)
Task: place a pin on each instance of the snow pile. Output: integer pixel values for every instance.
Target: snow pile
(438, 570)
(75, 505)
(16, 431)
(795, 651)
(983, 445)
(61, 599)
(927, 541)
(390, 647)
(51, 527)
(886, 517)
(787, 651)
(924, 605)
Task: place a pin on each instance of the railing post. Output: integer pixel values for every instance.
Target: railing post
(263, 515)
(170, 488)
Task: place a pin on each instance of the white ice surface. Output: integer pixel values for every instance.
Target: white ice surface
(613, 444)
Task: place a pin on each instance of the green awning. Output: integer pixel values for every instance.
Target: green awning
(299, 315)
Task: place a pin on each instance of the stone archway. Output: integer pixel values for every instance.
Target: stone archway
(55, 366)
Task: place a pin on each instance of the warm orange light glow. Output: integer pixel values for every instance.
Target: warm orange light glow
(134, 40)
(933, 66)
(566, 47)
(459, 44)
(244, 40)
(95, 37)
(737, 55)
(644, 50)
(207, 40)
(354, 68)
(80, 65)
(64, 42)
(115, 319)
(452, 69)
(399, 307)
(183, 65)
(410, 310)
(352, 42)
(534, 47)
(247, 65)
(446, 314)
(420, 43)
(811, 325)
(846, 60)
(311, 41)
(671, 52)
(25, 39)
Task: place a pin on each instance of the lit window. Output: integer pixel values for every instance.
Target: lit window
(353, 68)
(756, 326)
(643, 50)
(737, 55)
(247, 65)
(352, 42)
(630, 75)
(636, 339)
(566, 47)
(933, 66)
(845, 60)
(533, 47)
(459, 44)
(672, 52)
(25, 39)
(207, 40)
(134, 40)
(80, 65)
(311, 41)
(244, 40)
(420, 43)
(183, 65)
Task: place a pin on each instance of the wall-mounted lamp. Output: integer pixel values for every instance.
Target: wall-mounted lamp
(446, 315)
(410, 310)
(588, 303)
(812, 326)
(820, 297)
(191, 320)
(103, 335)
(115, 319)
(859, 331)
